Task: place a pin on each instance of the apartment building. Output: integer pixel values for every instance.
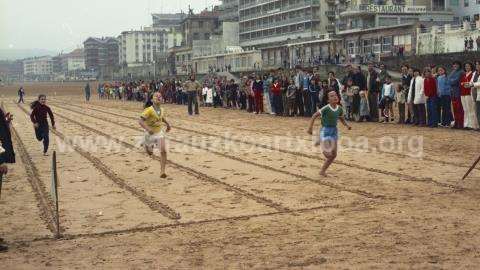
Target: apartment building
(271, 25)
(38, 66)
(199, 26)
(139, 47)
(386, 27)
(73, 61)
(264, 22)
(228, 11)
(195, 27)
(101, 53)
(465, 10)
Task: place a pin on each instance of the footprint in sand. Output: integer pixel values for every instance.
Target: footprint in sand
(143, 169)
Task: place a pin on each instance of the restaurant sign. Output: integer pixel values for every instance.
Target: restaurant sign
(392, 9)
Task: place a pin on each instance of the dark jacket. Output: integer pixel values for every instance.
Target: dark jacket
(257, 86)
(6, 138)
(373, 84)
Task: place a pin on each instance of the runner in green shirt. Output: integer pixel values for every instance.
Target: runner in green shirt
(330, 114)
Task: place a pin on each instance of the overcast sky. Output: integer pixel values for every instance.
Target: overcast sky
(64, 24)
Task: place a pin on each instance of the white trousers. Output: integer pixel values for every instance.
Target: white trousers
(470, 114)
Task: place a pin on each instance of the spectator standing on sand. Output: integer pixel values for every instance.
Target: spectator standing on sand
(277, 97)
(21, 95)
(40, 110)
(454, 80)
(192, 87)
(257, 88)
(7, 156)
(400, 100)
(291, 92)
(87, 92)
(431, 92)
(475, 84)
(387, 99)
(407, 75)
(373, 91)
(469, 116)
(416, 97)
(444, 93)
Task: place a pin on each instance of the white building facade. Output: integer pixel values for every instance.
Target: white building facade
(448, 39)
(268, 22)
(466, 10)
(41, 66)
(73, 61)
(141, 47)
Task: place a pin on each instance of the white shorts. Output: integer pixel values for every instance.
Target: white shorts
(151, 140)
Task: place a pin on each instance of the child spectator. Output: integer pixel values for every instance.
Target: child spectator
(364, 109)
(400, 100)
(388, 96)
(291, 92)
(347, 98)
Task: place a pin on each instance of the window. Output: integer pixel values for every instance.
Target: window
(454, 3)
(351, 47)
(207, 36)
(377, 47)
(196, 36)
(466, 3)
(200, 24)
(387, 44)
(367, 46)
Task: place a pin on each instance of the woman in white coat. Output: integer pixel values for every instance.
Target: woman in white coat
(416, 96)
(209, 96)
(475, 83)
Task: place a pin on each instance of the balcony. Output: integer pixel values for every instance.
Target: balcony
(330, 28)
(283, 9)
(278, 24)
(256, 3)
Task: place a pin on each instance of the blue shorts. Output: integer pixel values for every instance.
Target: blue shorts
(329, 134)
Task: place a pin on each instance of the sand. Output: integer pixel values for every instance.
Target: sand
(242, 192)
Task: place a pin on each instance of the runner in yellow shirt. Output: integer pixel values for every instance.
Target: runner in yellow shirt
(155, 125)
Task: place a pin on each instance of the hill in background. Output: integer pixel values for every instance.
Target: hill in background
(14, 54)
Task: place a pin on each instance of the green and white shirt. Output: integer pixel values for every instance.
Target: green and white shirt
(330, 116)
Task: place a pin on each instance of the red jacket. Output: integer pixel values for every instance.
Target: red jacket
(465, 78)
(276, 89)
(430, 87)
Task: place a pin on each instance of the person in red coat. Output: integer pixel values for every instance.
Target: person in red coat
(277, 97)
(469, 114)
(430, 90)
(257, 88)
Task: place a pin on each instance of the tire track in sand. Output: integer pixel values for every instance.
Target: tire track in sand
(45, 202)
(151, 202)
(190, 171)
(299, 176)
(401, 176)
(277, 134)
